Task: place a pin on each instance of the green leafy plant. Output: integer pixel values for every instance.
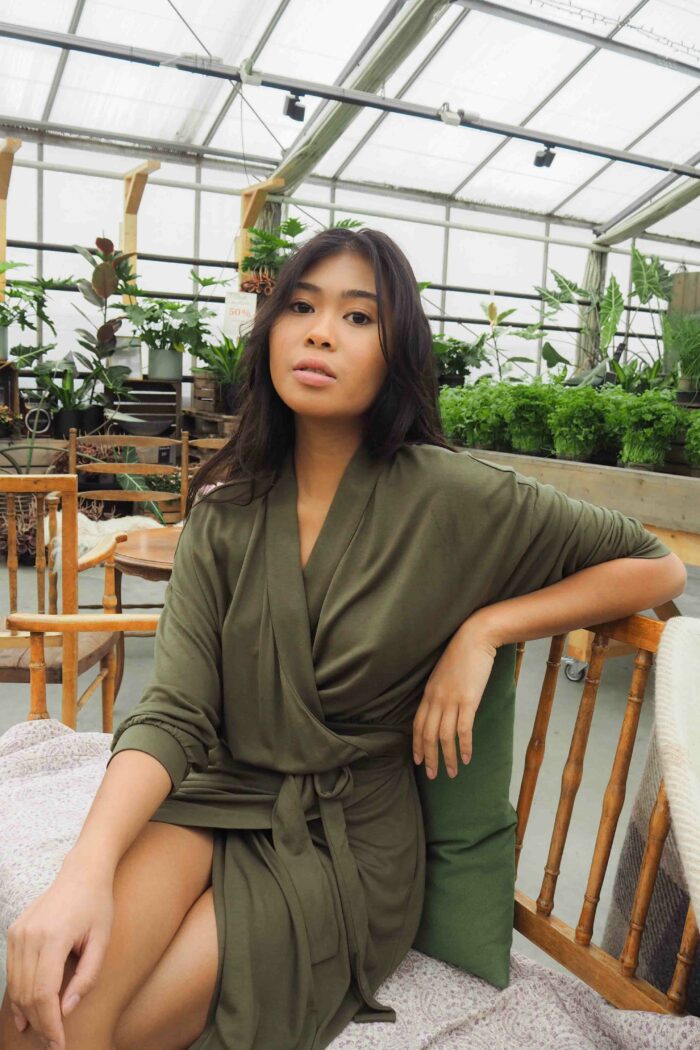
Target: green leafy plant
(692, 437)
(504, 364)
(164, 324)
(527, 411)
(651, 420)
(614, 401)
(456, 358)
(223, 359)
(25, 302)
(473, 415)
(681, 334)
(577, 422)
(635, 377)
(270, 249)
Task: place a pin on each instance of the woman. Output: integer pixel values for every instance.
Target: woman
(252, 867)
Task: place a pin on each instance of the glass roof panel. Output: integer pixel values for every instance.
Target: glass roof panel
(256, 123)
(42, 14)
(612, 100)
(446, 154)
(26, 72)
(314, 41)
(595, 16)
(496, 69)
(666, 27)
(512, 178)
(102, 93)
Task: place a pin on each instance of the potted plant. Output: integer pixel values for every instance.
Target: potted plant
(651, 420)
(692, 443)
(456, 358)
(223, 361)
(24, 305)
(577, 422)
(484, 417)
(270, 249)
(527, 411)
(614, 401)
(682, 341)
(168, 328)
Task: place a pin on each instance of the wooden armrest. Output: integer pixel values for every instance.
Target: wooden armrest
(101, 551)
(74, 623)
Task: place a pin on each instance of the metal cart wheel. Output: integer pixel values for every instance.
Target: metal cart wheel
(575, 670)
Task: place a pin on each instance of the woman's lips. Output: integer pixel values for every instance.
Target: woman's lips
(312, 378)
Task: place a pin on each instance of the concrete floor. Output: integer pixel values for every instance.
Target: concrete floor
(602, 742)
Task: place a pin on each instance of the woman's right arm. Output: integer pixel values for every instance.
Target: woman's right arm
(75, 913)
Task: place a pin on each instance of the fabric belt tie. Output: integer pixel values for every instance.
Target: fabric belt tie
(295, 848)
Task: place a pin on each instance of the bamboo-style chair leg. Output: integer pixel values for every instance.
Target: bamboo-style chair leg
(108, 665)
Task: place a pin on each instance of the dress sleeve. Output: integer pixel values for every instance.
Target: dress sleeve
(178, 717)
(531, 535)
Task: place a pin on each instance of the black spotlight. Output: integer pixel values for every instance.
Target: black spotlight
(544, 157)
(293, 108)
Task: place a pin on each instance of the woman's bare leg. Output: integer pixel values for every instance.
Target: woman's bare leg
(169, 1012)
(163, 873)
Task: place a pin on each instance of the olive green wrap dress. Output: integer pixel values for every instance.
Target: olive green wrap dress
(281, 703)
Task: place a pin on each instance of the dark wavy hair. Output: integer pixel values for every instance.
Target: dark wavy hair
(405, 410)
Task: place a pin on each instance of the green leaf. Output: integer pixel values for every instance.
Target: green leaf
(611, 309)
(525, 360)
(86, 254)
(568, 289)
(506, 313)
(551, 298)
(533, 331)
(552, 357)
(89, 293)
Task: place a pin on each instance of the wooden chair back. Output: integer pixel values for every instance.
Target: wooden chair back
(52, 492)
(121, 467)
(46, 492)
(574, 948)
(206, 446)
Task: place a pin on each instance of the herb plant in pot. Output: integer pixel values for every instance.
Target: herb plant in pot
(614, 401)
(224, 361)
(168, 328)
(577, 422)
(527, 411)
(651, 421)
(484, 416)
(682, 342)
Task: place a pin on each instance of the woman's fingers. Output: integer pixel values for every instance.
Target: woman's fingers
(448, 733)
(465, 725)
(47, 1021)
(86, 972)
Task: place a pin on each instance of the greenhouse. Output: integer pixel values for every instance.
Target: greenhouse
(349, 524)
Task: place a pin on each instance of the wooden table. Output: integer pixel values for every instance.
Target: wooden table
(147, 553)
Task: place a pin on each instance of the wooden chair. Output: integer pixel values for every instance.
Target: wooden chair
(121, 467)
(614, 978)
(71, 656)
(573, 948)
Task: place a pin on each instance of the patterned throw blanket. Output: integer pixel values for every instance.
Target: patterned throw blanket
(48, 778)
(674, 755)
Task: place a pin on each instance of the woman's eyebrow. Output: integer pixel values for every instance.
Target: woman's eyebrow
(350, 293)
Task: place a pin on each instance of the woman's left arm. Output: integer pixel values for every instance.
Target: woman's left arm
(603, 592)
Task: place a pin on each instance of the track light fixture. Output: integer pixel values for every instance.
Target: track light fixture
(293, 108)
(544, 157)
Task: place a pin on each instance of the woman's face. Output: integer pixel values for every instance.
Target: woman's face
(339, 329)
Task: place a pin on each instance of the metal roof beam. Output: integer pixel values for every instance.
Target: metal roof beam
(582, 35)
(643, 198)
(61, 65)
(225, 160)
(635, 225)
(212, 67)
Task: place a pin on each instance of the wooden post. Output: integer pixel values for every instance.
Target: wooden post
(134, 185)
(252, 203)
(7, 156)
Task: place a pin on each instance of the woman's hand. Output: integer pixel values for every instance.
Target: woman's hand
(73, 915)
(451, 698)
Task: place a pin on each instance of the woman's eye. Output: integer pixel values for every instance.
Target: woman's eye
(354, 313)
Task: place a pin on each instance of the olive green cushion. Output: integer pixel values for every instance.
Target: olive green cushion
(467, 917)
